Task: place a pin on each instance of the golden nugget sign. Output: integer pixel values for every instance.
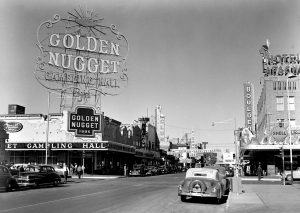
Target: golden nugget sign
(80, 54)
(280, 64)
(84, 122)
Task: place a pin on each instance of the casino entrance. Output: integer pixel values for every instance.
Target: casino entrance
(85, 158)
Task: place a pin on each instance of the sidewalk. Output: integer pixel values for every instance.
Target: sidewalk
(264, 197)
(264, 178)
(90, 177)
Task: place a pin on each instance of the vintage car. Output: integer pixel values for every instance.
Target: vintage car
(36, 175)
(7, 181)
(296, 174)
(60, 170)
(138, 170)
(203, 182)
(151, 170)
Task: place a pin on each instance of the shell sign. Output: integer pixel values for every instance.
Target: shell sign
(81, 55)
(279, 134)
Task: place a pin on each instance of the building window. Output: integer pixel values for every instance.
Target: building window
(280, 122)
(293, 122)
(291, 102)
(280, 103)
(279, 85)
(274, 85)
(294, 85)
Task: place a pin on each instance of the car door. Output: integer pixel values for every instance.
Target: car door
(43, 174)
(51, 174)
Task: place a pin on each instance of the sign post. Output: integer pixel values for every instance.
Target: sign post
(279, 134)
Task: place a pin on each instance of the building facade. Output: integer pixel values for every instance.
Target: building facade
(37, 138)
(276, 143)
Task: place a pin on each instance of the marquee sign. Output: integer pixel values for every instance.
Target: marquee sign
(84, 122)
(280, 64)
(109, 146)
(81, 56)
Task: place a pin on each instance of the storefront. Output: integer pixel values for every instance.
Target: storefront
(27, 142)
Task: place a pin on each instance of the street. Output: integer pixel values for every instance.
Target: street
(134, 194)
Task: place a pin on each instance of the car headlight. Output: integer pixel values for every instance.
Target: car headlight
(214, 189)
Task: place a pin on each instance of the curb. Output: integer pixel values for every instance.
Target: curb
(227, 202)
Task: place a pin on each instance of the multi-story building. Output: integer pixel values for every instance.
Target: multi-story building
(278, 116)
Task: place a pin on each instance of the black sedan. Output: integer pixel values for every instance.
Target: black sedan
(7, 181)
(36, 175)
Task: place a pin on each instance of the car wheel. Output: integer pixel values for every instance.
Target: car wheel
(288, 177)
(183, 198)
(36, 185)
(9, 187)
(219, 197)
(55, 183)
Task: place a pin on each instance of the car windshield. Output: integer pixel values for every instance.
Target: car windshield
(32, 169)
(3, 170)
(202, 172)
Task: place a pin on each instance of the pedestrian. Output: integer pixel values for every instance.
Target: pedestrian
(125, 170)
(22, 169)
(259, 172)
(66, 172)
(79, 171)
(75, 169)
(72, 169)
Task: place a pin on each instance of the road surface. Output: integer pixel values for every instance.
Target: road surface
(157, 194)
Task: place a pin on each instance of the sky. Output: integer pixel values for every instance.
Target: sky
(191, 57)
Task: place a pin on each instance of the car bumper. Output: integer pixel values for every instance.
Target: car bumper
(196, 194)
(25, 184)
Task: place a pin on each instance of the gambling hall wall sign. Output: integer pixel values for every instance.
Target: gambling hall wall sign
(84, 122)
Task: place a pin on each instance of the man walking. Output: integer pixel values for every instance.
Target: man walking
(125, 170)
(79, 171)
(259, 171)
(66, 172)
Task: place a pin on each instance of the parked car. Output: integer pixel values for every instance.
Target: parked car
(229, 171)
(15, 168)
(296, 174)
(60, 170)
(138, 170)
(7, 181)
(203, 182)
(36, 175)
(151, 170)
(162, 170)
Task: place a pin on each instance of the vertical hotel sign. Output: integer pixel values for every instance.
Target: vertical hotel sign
(249, 105)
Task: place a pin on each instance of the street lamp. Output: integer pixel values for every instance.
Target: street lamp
(235, 141)
(290, 76)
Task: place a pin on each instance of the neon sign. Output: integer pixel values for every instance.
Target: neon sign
(84, 122)
(280, 64)
(81, 57)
